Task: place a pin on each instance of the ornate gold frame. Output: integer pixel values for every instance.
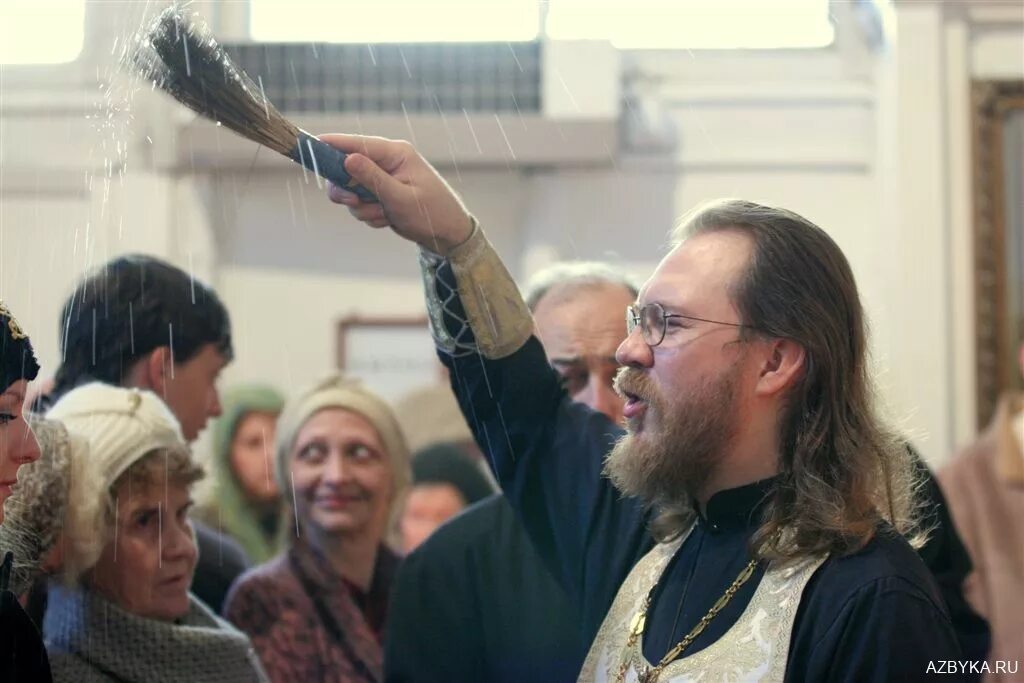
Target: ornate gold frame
(992, 102)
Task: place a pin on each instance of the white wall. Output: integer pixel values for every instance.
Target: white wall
(925, 181)
(50, 235)
(869, 144)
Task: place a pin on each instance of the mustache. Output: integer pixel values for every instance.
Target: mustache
(636, 382)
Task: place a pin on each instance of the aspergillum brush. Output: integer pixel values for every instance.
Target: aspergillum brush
(180, 55)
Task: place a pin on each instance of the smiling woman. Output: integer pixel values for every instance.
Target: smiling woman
(317, 611)
(129, 552)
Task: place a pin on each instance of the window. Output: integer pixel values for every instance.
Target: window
(41, 31)
(693, 24)
(394, 21)
(628, 24)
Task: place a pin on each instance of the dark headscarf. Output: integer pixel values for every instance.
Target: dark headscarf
(446, 463)
(22, 654)
(17, 360)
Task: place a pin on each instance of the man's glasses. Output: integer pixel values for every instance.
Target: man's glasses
(653, 321)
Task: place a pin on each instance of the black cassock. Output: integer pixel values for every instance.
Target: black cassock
(22, 655)
(475, 603)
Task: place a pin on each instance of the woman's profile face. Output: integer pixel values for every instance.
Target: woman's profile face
(17, 442)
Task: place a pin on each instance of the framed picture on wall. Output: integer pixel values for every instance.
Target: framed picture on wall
(998, 151)
(392, 355)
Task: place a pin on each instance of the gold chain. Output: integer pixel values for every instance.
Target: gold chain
(639, 621)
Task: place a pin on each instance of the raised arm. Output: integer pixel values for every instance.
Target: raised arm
(546, 451)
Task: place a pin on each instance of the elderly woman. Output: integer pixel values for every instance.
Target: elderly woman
(125, 612)
(317, 612)
(245, 500)
(22, 657)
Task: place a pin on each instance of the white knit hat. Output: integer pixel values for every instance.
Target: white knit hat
(119, 427)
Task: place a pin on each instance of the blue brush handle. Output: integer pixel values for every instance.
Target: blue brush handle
(327, 162)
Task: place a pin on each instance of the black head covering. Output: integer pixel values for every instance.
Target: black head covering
(22, 655)
(17, 360)
(446, 463)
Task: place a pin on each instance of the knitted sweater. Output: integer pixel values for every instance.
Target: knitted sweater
(91, 640)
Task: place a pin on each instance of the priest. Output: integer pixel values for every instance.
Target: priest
(781, 502)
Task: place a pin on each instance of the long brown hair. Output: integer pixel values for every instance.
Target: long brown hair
(841, 470)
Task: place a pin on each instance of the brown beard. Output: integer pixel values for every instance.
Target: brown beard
(676, 453)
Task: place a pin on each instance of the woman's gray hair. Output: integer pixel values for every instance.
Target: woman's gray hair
(570, 275)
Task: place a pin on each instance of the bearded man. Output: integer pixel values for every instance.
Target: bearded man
(752, 449)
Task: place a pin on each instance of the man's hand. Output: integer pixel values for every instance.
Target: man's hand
(415, 201)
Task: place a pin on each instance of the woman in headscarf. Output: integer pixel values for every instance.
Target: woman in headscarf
(245, 500)
(317, 612)
(444, 482)
(34, 518)
(22, 656)
(124, 611)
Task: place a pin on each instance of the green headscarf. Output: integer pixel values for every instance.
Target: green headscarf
(231, 510)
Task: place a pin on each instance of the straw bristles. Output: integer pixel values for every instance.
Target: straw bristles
(180, 56)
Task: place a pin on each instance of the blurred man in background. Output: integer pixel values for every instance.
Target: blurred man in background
(475, 602)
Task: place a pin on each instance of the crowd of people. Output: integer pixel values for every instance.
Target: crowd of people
(683, 480)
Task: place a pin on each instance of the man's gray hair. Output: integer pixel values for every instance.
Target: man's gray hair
(575, 275)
